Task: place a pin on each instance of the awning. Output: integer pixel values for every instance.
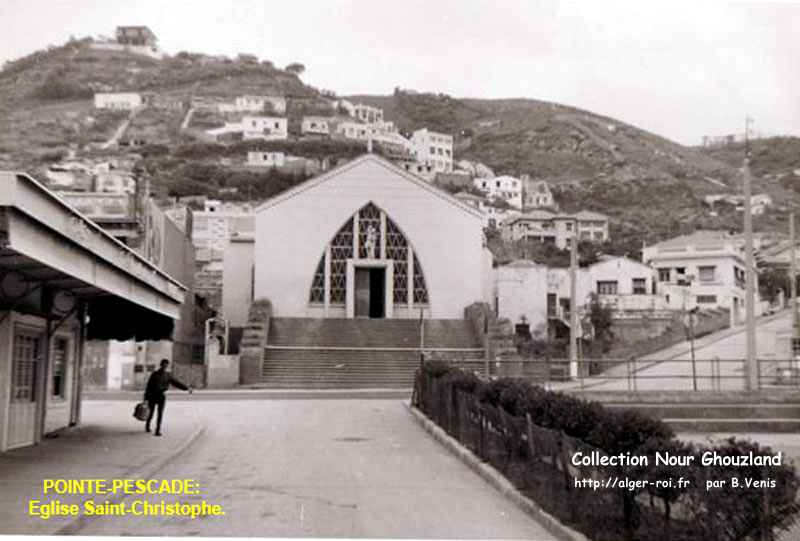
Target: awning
(43, 240)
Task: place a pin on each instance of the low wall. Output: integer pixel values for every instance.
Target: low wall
(500, 339)
(672, 333)
(189, 374)
(254, 342)
(223, 371)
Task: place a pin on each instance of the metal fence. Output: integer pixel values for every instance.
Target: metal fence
(596, 499)
(636, 374)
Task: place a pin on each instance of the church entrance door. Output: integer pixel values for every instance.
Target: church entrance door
(370, 292)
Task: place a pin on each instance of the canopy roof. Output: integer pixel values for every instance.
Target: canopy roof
(45, 242)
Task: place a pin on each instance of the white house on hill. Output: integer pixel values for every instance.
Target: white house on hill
(267, 128)
(526, 291)
(505, 187)
(120, 101)
(706, 269)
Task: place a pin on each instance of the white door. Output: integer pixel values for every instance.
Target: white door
(27, 352)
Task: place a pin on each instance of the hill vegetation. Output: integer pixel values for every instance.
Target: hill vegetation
(651, 188)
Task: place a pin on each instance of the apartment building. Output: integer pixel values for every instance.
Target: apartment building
(536, 194)
(705, 269)
(367, 113)
(557, 228)
(212, 230)
(433, 148)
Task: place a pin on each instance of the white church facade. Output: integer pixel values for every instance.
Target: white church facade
(365, 240)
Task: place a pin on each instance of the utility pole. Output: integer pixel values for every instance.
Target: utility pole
(792, 271)
(573, 304)
(793, 290)
(751, 363)
(691, 341)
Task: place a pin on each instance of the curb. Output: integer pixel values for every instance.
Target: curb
(496, 479)
(80, 522)
(242, 393)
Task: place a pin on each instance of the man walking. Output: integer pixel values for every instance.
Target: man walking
(157, 385)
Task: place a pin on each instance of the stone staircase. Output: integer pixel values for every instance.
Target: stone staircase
(357, 353)
(724, 412)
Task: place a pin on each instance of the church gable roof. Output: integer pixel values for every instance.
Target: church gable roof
(360, 162)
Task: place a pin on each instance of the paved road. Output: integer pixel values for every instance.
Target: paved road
(327, 468)
(673, 369)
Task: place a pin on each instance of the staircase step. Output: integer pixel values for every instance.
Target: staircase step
(714, 411)
(786, 425)
(357, 353)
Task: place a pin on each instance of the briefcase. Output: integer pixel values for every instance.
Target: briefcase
(141, 411)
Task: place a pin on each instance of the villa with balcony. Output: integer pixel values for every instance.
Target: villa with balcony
(705, 269)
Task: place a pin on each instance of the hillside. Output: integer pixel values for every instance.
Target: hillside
(46, 97)
(775, 161)
(548, 140)
(651, 187)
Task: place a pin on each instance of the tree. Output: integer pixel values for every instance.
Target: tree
(772, 281)
(601, 317)
(296, 68)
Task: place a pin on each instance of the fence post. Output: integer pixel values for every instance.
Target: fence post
(482, 417)
(628, 370)
(563, 461)
(744, 373)
(529, 426)
(547, 372)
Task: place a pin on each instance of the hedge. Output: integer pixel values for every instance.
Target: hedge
(530, 433)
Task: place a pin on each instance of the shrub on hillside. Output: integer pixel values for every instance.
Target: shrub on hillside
(57, 87)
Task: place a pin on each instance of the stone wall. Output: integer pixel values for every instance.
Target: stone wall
(254, 342)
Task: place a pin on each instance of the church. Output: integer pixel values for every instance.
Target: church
(365, 242)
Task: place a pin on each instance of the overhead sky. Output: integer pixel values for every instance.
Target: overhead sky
(681, 70)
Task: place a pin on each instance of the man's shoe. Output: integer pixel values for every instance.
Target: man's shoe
(157, 434)
(147, 429)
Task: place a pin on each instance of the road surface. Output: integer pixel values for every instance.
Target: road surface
(325, 468)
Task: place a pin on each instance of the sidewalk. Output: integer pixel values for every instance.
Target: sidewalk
(255, 393)
(109, 444)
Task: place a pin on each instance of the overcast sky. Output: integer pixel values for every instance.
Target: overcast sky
(682, 70)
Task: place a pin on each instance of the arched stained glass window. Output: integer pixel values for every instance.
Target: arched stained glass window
(397, 249)
(318, 285)
(341, 251)
(420, 290)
